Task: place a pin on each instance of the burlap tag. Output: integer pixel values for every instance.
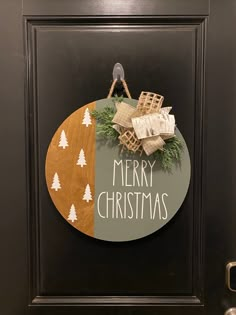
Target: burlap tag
(153, 144)
(123, 115)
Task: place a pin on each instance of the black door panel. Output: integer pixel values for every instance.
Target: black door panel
(56, 57)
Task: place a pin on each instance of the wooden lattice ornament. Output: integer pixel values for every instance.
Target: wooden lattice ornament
(130, 140)
(149, 102)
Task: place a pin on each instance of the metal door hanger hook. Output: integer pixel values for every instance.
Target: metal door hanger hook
(118, 72)
(119, 86)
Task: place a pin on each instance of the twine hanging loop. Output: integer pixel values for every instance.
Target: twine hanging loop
(113, 87)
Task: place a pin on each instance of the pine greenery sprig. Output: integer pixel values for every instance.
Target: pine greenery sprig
(104, 126)
(117, 99)
(170, 155)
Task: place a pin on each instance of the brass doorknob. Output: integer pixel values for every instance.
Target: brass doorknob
(231, 311)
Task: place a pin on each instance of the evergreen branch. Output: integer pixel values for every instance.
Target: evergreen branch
(117, 99)
(104, 116)
(105, 128)
(171, 153)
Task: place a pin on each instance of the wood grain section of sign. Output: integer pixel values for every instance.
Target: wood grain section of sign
(68, 187)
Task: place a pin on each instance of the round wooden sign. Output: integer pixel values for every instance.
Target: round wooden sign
(107, 195)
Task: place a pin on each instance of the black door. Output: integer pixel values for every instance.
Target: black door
(57, 56)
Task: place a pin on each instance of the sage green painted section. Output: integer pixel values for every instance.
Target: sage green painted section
(175, 184)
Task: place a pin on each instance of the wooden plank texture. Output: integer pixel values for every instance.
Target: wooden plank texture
(73, 178)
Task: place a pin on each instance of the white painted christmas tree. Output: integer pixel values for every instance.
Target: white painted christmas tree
(72, 215)
(56, 182)
(81, 160)
(87, 194)
(63, 140)
(87, 118)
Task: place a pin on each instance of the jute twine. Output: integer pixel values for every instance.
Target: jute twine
(124, 85)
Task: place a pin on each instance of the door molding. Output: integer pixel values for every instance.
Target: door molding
(33, 25)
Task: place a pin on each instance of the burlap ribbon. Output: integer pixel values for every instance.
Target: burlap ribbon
(146, 126)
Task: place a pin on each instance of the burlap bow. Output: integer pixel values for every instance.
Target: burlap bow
(146, 126)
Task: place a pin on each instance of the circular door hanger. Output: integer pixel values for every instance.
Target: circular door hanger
(107, 195)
